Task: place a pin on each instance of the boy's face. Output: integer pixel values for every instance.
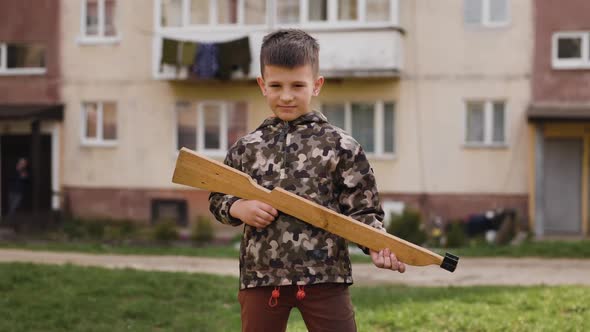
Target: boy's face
(288, 91)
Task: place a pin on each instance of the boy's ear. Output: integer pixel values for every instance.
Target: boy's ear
(317, 85)
(260, 81)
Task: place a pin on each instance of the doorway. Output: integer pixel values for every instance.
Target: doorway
(563, 185)
(13, 147)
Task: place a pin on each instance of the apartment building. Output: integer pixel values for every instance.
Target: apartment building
(435, 91)
(31, 112)
(559, 119)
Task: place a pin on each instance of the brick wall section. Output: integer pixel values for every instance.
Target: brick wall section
(31, 21)
(460, 206)
(136, 204)
(551, 85)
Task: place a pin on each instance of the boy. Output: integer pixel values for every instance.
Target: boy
(285, 262)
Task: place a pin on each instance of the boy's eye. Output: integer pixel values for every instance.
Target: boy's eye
(274, 85)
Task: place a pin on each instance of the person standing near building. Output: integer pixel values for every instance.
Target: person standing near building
(17, 187)
(286, 263)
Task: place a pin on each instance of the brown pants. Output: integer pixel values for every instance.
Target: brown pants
(326, 307)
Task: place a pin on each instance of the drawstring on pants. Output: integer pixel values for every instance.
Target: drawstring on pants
(276, 293)
(274, 297)
(300, 293)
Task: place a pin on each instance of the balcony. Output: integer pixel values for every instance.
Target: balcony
(362, 45)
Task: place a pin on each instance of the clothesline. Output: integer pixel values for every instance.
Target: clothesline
(208, 60)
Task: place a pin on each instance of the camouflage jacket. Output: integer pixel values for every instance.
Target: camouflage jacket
(319, 162)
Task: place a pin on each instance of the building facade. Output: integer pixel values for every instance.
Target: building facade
(31, 111)
(420, 84)
(559, 119)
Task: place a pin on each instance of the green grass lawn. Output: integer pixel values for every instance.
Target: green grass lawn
(547, 249)
(71, 298)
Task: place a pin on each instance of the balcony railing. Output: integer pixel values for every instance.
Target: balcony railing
(356, 43)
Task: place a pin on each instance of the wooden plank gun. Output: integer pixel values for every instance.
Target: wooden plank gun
(195, 170)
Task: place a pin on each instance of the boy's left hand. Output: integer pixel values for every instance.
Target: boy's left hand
(385, 259)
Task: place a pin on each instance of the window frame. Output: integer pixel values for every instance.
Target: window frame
(100, 38)
(186, 17)
(271, 19)
(99, 141)
(378, 125)
(488, 107)
(332, 16)
(486, 15)
(583, 62)
(5, 71)
(199, 106)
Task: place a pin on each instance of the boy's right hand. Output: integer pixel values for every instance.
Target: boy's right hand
(254, 213)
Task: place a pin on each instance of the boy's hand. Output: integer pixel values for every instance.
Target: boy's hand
(385, 259)
(253, 213)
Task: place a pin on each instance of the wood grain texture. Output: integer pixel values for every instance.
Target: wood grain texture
(198, 171)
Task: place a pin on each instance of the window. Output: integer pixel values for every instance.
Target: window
(318, 11)
(99, 123)
(372, 124)
(182, 13)
(287, 11)
(169, 209)
(347, 10)
(98, 21)
(378, 10)
(485, 123)
(207, 13)
(22, 58)
(489, 13)
(334, 11)
(255, 11)
(210, 126)
(571, 50)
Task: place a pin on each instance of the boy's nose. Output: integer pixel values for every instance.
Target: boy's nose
(286, 97)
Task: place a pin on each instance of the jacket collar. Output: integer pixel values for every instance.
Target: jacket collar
(309, 117)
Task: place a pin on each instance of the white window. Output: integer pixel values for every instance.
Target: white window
(98, 22)
(335, 12)
(99, 123)
(22, 59)
(207, 13)
(571, 50)
(372, 124)
(488, 13)
(210, 127)
(485, 123)
(182, 13)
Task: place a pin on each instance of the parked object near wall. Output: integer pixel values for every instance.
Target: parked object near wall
(498, 226)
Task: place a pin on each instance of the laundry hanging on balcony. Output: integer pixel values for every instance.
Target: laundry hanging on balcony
(234, 55)
(206, 63)
(178, 53)
(222, 60)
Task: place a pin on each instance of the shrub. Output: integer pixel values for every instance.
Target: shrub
(95, 229)
(73, 228)
(202, 230)
(127, 228)
(455, 235)
(165, 231)
(408, 226)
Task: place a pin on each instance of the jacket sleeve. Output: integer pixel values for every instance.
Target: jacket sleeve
(219, 203)
(358, 196)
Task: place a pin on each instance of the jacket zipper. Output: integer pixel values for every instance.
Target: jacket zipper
(284, 133)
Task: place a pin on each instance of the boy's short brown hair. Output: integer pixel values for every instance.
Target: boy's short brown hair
(290, 48)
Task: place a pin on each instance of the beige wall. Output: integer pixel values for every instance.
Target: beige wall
(444, 63)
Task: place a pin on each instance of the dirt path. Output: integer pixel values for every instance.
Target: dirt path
(471, 271)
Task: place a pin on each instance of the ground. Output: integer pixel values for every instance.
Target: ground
(470, 271)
